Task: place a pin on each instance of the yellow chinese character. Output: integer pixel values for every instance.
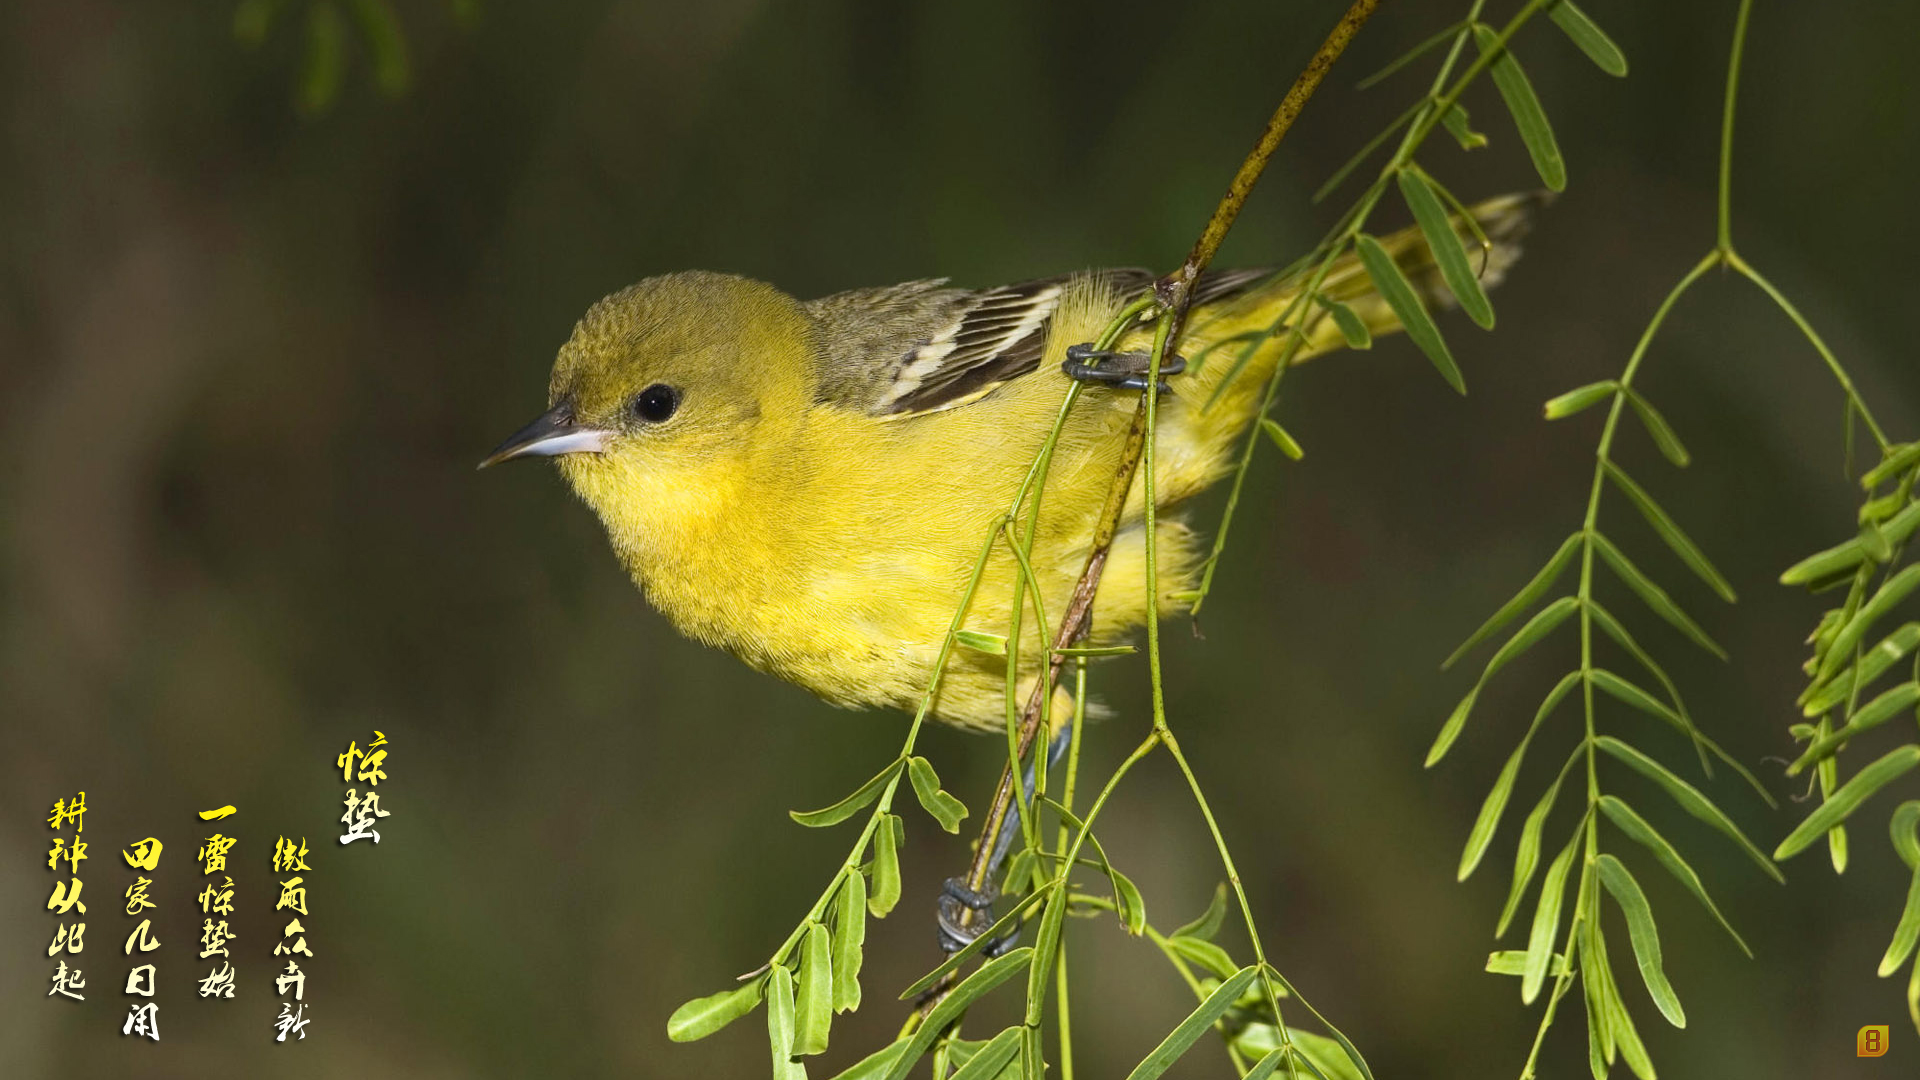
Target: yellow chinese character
(62, 899)
(71, 938)
(345, 760)
(143, 1020)
(360, 817)
(143, 936)
(216, 901)
(140, 980)
(65, 982)
(292, 1019)
(74, 855)
(144, 855)
(299, 946)
(291, 896)
(219, 982)
(214, 852)
(293, 977)
(214, 937)
(64, 811)
(137, 901)
(287, 857)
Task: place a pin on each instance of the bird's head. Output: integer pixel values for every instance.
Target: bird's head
(667, 393)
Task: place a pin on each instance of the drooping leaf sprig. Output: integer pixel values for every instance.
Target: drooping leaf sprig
(1846, 696)
(1842, 668)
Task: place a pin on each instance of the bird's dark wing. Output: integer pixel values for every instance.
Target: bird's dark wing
(922, 347)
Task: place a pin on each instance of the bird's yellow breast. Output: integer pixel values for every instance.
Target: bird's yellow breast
(834, 552)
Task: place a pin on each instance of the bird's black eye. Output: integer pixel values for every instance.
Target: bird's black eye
(656, 403)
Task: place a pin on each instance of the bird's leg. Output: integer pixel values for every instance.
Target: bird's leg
(1126, 371)
(955, 896)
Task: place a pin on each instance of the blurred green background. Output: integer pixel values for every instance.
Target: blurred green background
(248, 359)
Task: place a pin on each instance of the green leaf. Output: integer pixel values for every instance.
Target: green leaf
(1528, 116)
(386, 43)
(1592, 40)
(1840, 804)
(1450, 730)
(971, 989)
(813, 992)
(1455, 121)
(1596, 977)
(1046, 942)
(1906, 933)
(703, 1016)
(1266, 1066)
(1205, 953)
(1133, 909)
(1625, 1035)
(1526, 858)
(1646, 937)
(1197, 1022)
(1882, 601)
(1662, 432)
(884, 891)
(1627, 692)
(1546, 922)
(1906, 832)
(326, 58)
(986, 1063)
(1496, 801)
(946, 809)
(1653, 595)
(1682, 546)
(780, 1025)
(1529, 595)
(1874, 542)
(1898, 460)
(1821, 565)
(1352, 326)
(1399, 294)
(1884, 507)
(1449, 254)
(1580, 399)
(1208, 924)
(849, 941)
(1542, 624)
(1281, 439)
(1690, 799)
(1514, 962)
(1637, 829)
(849, 806)
(875, 1065)
(1881, 709)
(982, 642)
(1913, 996)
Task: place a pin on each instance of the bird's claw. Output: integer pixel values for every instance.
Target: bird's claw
(1124, 371)
(956, 900)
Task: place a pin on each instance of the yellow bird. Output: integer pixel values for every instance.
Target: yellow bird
(808, 484)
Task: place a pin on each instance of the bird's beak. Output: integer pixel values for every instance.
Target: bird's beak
(552, 433)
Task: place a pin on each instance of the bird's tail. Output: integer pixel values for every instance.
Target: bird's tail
(1219, 332)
